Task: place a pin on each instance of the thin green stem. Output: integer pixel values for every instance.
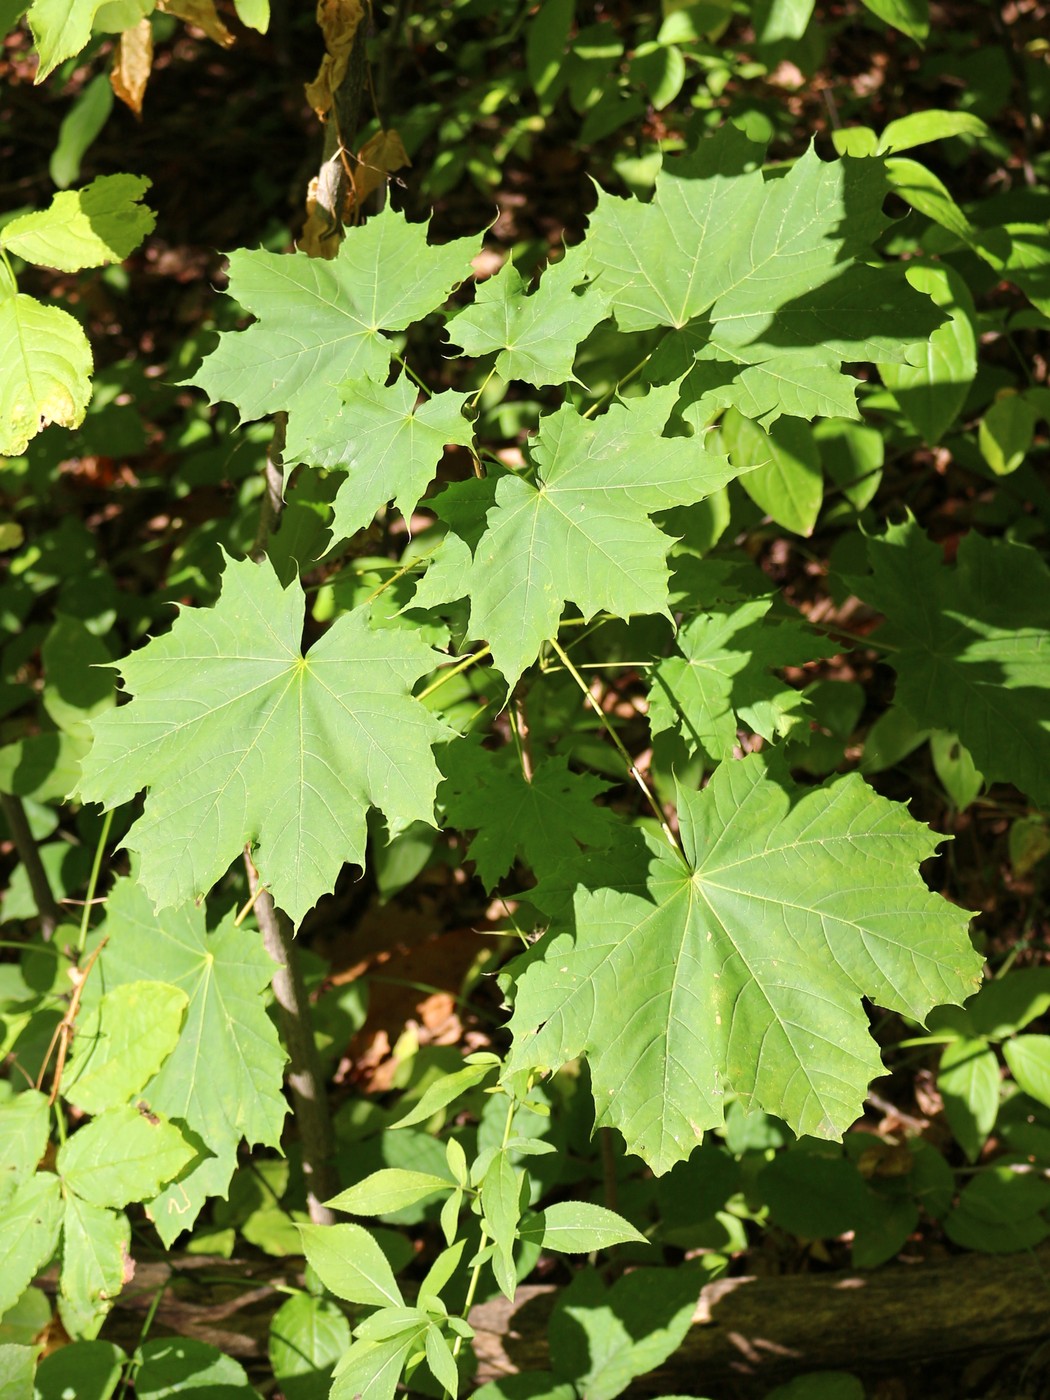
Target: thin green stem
(413, 375)
(412, 565)
(475, 1275)
(619, 385)
(603, 719)
(464, 665)
(485, 384)
(147, 1322)
(96, 866)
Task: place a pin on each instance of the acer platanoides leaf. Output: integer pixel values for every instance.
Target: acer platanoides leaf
(742, 968)
(971, 646)
(321, 322)
(240, 739)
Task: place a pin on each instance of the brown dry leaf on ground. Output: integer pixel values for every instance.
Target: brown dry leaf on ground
(416, 972)
(338, 21)
(131, 65)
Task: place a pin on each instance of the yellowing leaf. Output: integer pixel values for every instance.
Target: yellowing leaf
(45, 368)
(377, 159)
(131, 65)
(101, 223)
(201, 13)
(338, 21)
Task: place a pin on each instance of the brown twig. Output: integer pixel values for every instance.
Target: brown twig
(64, 1030)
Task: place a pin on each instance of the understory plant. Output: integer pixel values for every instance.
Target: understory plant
(498, 595)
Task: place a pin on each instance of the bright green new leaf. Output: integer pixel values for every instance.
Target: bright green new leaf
(501, 1210)
(253, 13)
(370, 1370)
(234, 731)
(742, 968)
(32, 1218)
(917, 128)
(971, 646)
(541, 818)
(122, 1043)
(121, 1156)
(389, 1189)
(537, 336)
(580, 533)
(933, 389)
(45, 369)
(17, 1364)
(780, 468)
(104, 222)
(441, 1361)
(23, 1137)
(388, 447)
(224, 1078)
(722, 677)
(321, 322)
(443, 1092)
(578, 1227)
(1006, 433)
(61, 28)
(96, 1263)
(351, 1265)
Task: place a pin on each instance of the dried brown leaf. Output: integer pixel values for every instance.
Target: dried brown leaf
(338, 21)
(377, 159)
(132, 62)
(201, 13)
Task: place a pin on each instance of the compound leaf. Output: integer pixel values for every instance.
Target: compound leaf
(580, 533)
(233, 730)
(122, 1156)
(45, 371)
(61, 28)
(32, 1220)
(321, 322)
(223, 1079)
(122, 1044)
(742, 969)
(971, 646)
(101, 223)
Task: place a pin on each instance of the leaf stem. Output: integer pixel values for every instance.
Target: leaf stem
(619, 384)
(413, 375)
(96, 866)
(603, 719)
(456, 670)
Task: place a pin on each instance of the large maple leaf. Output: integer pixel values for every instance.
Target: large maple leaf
(579, 530)
(750, 270)
(321, 322)
(241, 739)
(970, 645)
(742, 968)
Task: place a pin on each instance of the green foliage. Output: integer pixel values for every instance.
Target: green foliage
(578, 623)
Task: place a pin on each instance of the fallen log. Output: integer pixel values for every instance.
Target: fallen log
(750, 1333)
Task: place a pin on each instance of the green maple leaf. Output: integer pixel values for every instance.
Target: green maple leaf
(580, 532)
(101, 223)
(971, 646)
(743, 969)
(541, 819)
(537, 335)
(321, 323)
(389, 447)
(755, 271)
(45, 371)
(241, 739)
(223, 1080)
(723, 675)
